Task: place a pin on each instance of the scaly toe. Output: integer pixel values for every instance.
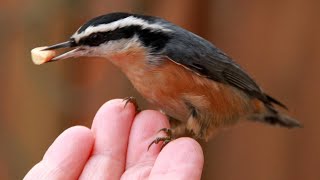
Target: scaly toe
(165, 140)
(168, 131)
(132, 100)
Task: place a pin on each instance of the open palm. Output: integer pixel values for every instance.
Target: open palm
(116, 148)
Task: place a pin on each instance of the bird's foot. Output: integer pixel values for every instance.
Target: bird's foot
(132, 100)
(165, 139)
(168, 131)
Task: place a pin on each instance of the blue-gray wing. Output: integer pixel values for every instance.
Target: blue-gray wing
(201, 56)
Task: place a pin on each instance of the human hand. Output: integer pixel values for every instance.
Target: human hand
(116, 148)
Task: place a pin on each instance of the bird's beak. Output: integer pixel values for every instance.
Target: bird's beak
(66, 44)
(77, 51)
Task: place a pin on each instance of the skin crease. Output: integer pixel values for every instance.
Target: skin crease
(116, 148)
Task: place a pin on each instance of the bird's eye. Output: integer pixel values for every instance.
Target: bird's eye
(94, 36)
(94, 39)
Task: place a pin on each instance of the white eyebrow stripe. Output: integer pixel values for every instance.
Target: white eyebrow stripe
(128, 21)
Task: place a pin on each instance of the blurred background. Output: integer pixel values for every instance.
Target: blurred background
(277, 42)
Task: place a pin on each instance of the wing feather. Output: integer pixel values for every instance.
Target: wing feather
(204, 58)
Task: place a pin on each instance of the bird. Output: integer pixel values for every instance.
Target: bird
(199, 87)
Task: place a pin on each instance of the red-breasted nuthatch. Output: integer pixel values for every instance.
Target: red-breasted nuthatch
(197, 85)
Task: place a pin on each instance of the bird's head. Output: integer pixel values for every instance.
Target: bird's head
(116, 33)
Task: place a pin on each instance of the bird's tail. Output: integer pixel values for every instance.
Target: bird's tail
(268, 114)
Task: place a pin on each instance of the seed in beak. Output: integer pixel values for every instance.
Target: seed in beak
(40, 56)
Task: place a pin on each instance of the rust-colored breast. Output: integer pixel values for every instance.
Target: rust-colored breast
(171, 86)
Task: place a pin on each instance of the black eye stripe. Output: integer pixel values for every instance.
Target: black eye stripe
(156, 39)
(95, 39)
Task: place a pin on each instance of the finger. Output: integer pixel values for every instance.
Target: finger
(144, 129)
(66, 157)
(180, 159)
(111, 127)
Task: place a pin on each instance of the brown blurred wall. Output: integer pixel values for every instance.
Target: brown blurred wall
(277, 42)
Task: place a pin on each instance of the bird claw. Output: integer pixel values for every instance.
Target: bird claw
(168, 131)
(132, 100)
(164, 139)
